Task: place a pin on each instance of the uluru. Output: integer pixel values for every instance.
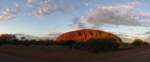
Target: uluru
(85, 33)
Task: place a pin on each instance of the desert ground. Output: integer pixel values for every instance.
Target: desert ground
(40, 55)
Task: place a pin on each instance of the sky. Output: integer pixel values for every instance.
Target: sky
(47, 19)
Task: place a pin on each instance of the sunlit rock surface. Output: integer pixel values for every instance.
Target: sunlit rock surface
(85, 33)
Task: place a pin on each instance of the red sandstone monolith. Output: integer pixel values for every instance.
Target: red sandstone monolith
(85, 33)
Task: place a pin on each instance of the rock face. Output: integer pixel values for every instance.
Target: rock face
(85, 33)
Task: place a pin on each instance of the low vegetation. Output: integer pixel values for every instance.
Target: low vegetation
(103, 42)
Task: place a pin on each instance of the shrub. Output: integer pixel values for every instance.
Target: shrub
(70, 42)
(62, 42)
(145, 43)
(91, 41)
(6, 38)
(103, 42)
(94, 50)
(116, 45)
(137, 42)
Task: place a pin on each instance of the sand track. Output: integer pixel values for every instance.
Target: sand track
(37, 55)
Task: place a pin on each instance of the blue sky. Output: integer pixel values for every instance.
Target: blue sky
(42, 19)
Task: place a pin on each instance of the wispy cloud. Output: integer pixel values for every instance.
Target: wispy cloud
(8, 14)
(146, 33)
(54, 35)
(87, 4)
(76, 21)
(47, 9)
(117, 15)
(31, 37)
(16, 4)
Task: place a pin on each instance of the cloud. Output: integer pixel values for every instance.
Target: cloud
(117, 15)
(91, 10)
(45, 11)
(9, 12)
(113, 32)
(31, 37)
(46, 8)
(128, 8)
(72, 26)
(77, 7)
(54, 28)
(81, 25)
(54, 34)
(29, 13)
(135, 3)
(146, 33)
(147, 38)
(29, 5)
(42, 12)
(132, 29)
(76, 21)
(9, 18)
(16, 4)
(142, 16)
(86, 4)
(124, 37)
(32, 1)
(58, 27)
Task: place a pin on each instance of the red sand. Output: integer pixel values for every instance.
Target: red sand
(67, 55)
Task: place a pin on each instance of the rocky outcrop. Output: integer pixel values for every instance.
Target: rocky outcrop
(85, 33)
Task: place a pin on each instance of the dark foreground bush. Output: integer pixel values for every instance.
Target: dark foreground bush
(94, 50)
(137, 42)
(145, 43)
(104, 42)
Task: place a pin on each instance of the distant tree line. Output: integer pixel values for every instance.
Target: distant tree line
(103, 42)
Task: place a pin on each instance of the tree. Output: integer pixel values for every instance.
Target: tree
(137, 42)
(22, 38)
(104, 42)
(46, 40)
(5, 38)
(91, 41)
(40, 40)
(145, 43)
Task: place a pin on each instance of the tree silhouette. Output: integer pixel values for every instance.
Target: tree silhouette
(22, 38)
(137, 42)
(6, 38)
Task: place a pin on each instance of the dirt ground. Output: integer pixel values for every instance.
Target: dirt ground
(67, 55)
